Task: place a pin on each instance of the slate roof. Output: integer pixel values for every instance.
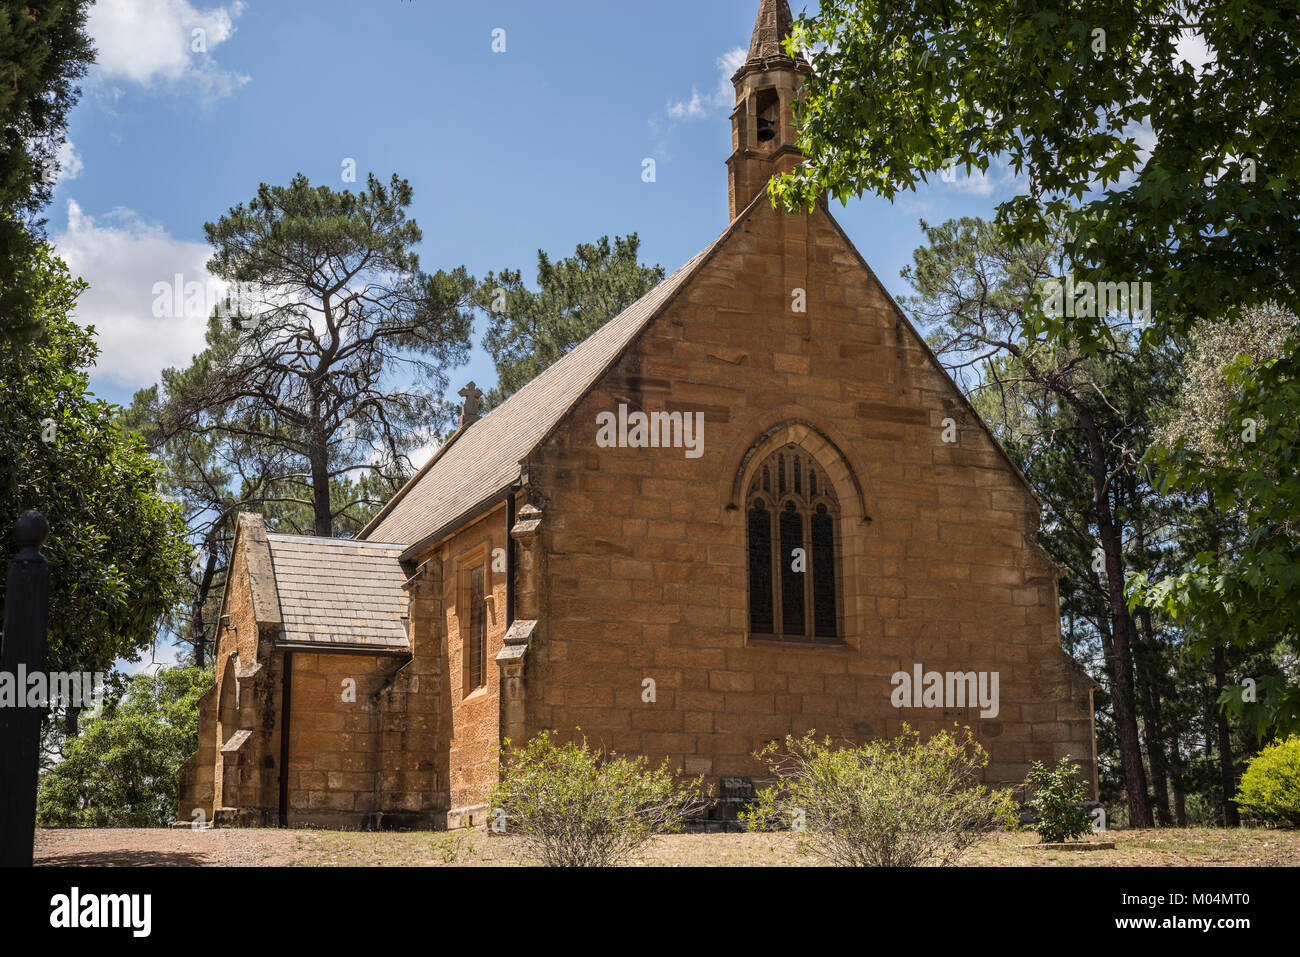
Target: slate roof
(483, 460)
(340, 593)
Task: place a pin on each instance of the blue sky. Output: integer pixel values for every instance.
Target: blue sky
(540, 146)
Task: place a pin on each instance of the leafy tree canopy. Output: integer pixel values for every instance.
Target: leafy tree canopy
(122, 770)
(44, 50)
(116, 548)
(902, 90)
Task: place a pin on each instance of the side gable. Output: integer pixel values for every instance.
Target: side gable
(250, 562)
(789, 355)
(339, 594)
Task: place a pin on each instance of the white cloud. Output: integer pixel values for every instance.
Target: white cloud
(123, 257)
(999, 178)
(163, 44)
(70, 165)
(723, 96)
(692, 108)
(1192, 48)
(977, 182)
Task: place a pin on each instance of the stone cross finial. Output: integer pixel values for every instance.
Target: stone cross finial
(469, 412)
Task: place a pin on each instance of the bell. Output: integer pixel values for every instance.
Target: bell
(765, 131)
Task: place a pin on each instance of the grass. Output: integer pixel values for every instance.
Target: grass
(1168, 848)
(314, 848)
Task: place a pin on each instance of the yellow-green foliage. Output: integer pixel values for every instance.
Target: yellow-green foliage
(899, 803)
(575, 806)
(1270, 788)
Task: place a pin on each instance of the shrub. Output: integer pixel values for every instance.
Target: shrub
(897, 803)
(573, 806)
(1270, 788)
(1057, 802)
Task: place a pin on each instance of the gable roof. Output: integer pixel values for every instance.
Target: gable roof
(340, 594)
(482, 462)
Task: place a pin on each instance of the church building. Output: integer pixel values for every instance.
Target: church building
(751, 505)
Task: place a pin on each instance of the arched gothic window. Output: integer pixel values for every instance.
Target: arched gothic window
(792, 520)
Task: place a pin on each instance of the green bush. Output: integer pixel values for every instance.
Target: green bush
(1270, 789)
(576, 807)
(1057, 802)
(897, 803)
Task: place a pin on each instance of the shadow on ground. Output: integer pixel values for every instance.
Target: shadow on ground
(123, 858)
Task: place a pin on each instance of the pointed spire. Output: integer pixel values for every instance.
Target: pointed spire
(774, 24)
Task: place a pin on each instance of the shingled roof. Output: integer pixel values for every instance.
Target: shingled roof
(340, 593)
(482, 461)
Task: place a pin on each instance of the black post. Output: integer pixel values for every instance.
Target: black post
(22, 652)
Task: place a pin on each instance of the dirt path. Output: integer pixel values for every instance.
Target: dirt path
(160, 847)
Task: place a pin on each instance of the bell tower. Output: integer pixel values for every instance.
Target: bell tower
(762, 124)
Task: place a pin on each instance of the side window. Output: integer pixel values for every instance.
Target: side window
(476, 640)
(472, 611)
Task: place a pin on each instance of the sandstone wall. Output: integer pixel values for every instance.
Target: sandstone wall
(648, 567)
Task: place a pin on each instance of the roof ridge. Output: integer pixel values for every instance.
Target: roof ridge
(323, 540)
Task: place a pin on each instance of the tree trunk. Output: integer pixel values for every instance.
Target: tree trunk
(1177, 776)
(1227, 774)
(1151, 737)
(1130, 747)
(1149, 675)
(318, 457)
(1153, 724)
(198, 624)
(1180, 799)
